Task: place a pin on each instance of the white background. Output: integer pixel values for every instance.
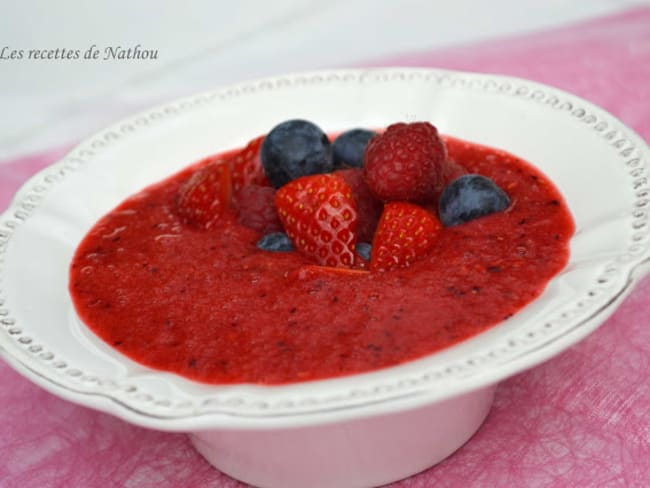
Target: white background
(204, 44)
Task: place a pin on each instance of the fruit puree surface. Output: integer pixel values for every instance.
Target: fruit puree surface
(212, 307)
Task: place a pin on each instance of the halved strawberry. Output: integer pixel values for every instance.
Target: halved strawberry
(246, 166)
(320, 216)
(406, 232)
(205, 195)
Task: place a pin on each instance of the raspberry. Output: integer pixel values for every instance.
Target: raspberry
(407, 163)
(256, 207)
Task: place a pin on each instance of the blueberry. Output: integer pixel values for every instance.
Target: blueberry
(348, 148)
(293, 149)
(276, 242)
(363, 249)
(470, 197)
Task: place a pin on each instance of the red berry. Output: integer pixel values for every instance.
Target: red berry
(406, 162)
(205, 195)
(247, 166)
(256, 207)
(406, 233)
(452, 170)
(368, 206)
(320, 217)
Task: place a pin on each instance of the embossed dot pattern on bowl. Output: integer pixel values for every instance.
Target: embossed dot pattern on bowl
(133, 395)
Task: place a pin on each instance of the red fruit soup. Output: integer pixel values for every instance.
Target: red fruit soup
(212, 307)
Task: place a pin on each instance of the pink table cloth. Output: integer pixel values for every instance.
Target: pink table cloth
(581, 419)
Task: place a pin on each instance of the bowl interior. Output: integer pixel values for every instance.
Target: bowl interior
(599, 165)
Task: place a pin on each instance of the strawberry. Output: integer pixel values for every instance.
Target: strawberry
(256, 207)
(368, 205)
(246, 166)
(320, 216)
(205, 195)
(452, 171)
(406, 232)
(406, 162)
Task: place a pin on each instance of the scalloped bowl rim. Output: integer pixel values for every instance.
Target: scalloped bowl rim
(437, 377)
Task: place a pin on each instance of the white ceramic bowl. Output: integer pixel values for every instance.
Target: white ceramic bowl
(360, 430)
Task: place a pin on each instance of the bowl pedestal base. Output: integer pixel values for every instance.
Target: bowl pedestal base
(360, 452)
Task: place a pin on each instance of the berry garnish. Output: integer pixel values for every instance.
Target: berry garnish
(406, 232)
(363, 250)
(320, 216)
(205, 195)
(256, 208)
(275, 242)
(452, 170)
(246, 166)
(368, 206)
(407, 162)
(293, 149)
(470, 197)
(348, 148)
